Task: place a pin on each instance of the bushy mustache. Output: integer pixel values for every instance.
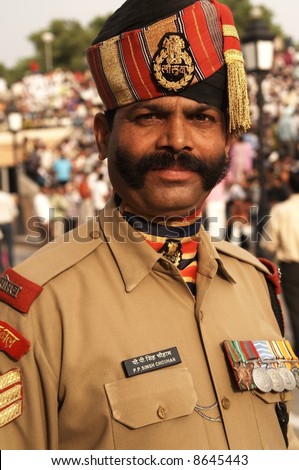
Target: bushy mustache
(168, 161)
(134, 173)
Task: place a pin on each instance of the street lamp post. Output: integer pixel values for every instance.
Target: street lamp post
(258, 51)
(15, 124)
(48, 38)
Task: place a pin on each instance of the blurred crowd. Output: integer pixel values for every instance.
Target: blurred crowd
(57, 98)
(236, 200)
(71, 182)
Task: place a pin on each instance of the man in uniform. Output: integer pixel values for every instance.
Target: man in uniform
(136, 331)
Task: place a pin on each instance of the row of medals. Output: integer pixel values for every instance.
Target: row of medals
(269, 378)
(265, 374)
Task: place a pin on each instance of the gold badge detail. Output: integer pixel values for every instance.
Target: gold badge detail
(173, 66)
(11, 396)
(171, 250)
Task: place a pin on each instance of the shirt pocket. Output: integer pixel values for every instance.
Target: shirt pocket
(153, 397)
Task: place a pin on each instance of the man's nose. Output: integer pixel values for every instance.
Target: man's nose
(175, 135)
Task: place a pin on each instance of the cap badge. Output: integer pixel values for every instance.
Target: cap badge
(173, 65)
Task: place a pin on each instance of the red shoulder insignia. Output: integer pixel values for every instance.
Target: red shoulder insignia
(12, 342)
(274, 277)
(11, 396)
(18, 291)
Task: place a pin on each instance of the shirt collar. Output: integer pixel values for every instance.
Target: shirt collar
(138, 258)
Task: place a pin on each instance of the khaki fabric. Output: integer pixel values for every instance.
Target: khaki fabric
(107, 297)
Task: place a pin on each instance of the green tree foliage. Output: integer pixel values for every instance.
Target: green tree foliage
(70, 40)
(95, 26)
(241, 10)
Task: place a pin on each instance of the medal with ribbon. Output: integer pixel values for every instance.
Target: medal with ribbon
(241, 367)
(263, 365)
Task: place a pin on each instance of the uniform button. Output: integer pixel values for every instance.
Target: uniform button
(95, 234)
(162, 412)
(225, 403)
(282, 396)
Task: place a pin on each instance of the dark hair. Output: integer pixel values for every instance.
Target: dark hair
(110, 114)
(294, 181)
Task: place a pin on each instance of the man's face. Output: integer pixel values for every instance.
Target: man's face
(165, 155)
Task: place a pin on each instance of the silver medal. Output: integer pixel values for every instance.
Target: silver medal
(277, 380)
(295, 372)
(262, 379)
(288, 378)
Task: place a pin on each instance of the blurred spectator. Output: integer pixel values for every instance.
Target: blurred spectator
(277, 190)
(32, 163)
(62, 168)
(215, 211)
(239, 228)
(8, 213)
(242, 154)
(41, 216)
(59, 205)
(73, 204)
(100, 193)
(86, 200)
(287, 130)
(281, 238)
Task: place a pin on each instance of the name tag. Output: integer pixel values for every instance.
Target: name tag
(152, 361)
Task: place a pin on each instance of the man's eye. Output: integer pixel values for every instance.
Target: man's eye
(146, 118)
(203, 117)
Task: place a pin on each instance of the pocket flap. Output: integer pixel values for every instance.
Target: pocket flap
(152, 397)
(274, 397)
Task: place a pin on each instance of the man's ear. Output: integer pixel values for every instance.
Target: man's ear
(229, 139)
(102, 134)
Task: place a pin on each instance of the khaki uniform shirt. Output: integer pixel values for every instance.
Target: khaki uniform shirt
(282, 231)
(107, 297)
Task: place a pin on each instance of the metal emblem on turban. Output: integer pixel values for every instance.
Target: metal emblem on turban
(173, 65)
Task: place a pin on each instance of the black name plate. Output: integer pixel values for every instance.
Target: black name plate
(152, 361)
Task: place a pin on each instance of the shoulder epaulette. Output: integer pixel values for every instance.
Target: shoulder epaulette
(269, 269)
(20, 286)
(274, 274)
(61, 254)
(273, 282)
(239, 253)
